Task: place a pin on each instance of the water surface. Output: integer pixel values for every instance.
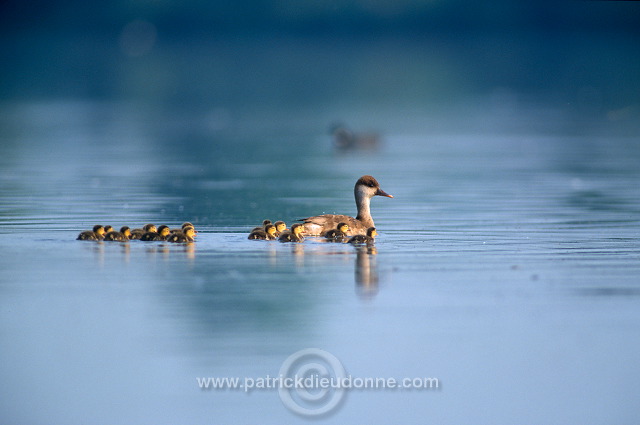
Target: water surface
(507, 263)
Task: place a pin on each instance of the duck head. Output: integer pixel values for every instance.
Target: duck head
(164, 230)
(270, 229)
(368, 187)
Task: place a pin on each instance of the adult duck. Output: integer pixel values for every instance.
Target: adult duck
(366, 188)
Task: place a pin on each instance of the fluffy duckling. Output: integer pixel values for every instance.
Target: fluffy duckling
(265, 223)
(268, 234)
(187, 227)
(362, 239)
(339, 234)
(181, 229)
(137, 233)
(97, 234)
(183, 237)
(160, 235)
(281, 226)
(293, 235)
(121, 236)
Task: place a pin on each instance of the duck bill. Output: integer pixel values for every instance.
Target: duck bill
(381, 192)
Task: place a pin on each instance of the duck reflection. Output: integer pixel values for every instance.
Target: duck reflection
(366, 272)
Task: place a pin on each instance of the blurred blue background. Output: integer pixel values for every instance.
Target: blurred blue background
(577, 54)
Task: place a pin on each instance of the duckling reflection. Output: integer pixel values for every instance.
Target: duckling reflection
(366, 272)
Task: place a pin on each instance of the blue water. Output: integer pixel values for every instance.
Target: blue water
(507, 263)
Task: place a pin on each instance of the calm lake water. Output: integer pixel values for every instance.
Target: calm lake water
(507, 264)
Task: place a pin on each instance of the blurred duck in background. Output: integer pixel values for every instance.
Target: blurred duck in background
(345, 139)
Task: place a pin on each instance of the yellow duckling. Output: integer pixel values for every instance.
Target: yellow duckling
(185, 236)
(268, 234)
(97, 234)
(121, 236)
(137, 233)
(181, 229)
(362, 239)
(339, 234)
(281, 226)
(185, 228)
(265, 223)
(160, 235)
(296, 234)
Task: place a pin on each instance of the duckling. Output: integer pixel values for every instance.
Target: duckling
(281, 226)
(268, 234)
(293, 235)
(362, 239)
(97, 234)
(184, 230)
(339, 234)
(160, 235)
(121, 236)
(182, 237)
(181, 229)
(137, 233)
(265, 223)
(108, 229)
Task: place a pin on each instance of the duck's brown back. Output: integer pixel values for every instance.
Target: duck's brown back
(321, 224)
